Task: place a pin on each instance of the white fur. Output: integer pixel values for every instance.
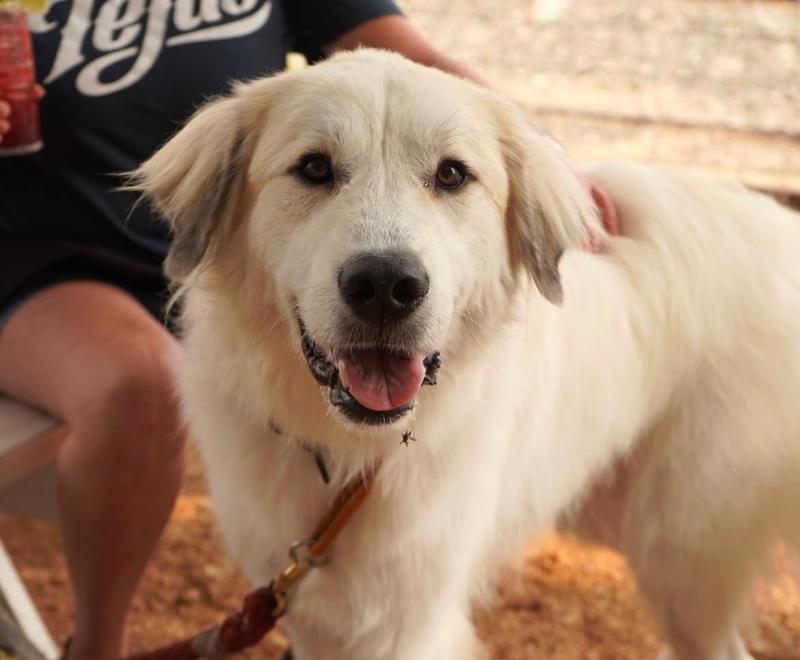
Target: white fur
(656, 409)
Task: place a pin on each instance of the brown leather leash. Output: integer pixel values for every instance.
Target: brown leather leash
(263, 607)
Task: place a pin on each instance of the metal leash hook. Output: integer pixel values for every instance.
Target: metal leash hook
(283, 583)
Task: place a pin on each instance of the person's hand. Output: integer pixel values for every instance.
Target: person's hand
(605, 205)
(5, 112)
(5, 125)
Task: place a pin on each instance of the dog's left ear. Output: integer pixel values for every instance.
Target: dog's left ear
(548, 207)
(191, 178)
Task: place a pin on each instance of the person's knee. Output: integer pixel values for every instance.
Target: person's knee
(135, 399)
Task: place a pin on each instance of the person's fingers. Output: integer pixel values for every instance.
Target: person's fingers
(5, 110)
(5, 125)
(604, 203)
(606, 206)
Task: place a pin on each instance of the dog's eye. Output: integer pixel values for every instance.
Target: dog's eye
(316, 169)
(451, 175)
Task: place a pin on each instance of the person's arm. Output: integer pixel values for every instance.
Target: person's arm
(394, 32)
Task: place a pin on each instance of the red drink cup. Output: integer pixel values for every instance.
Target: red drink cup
(18, 83)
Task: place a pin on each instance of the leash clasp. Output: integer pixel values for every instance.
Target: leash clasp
(283, 583)
(316, 550)
(302, 563)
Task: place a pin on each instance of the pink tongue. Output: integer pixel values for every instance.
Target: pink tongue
(382, 381)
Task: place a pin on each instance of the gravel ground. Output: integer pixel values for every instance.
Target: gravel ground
(562, 601)
(693, 82)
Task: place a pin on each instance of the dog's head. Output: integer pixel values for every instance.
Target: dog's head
(385, 207)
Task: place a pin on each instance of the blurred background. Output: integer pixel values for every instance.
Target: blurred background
(713, 84)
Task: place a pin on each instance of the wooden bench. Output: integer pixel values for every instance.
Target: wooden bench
(29, 444)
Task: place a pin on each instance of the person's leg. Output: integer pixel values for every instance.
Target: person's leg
(91, 355)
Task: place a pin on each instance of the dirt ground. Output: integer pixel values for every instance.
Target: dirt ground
(564, 601)
(691, 82)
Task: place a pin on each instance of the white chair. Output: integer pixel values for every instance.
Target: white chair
(29, 444)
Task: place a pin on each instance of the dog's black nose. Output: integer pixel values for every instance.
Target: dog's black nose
(381, 288)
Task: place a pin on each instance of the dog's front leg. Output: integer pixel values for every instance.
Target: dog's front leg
(440, 634)
(454, 638)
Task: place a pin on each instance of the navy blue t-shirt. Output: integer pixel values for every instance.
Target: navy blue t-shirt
(121, 77)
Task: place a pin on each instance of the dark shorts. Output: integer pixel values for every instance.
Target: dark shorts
(28, 266)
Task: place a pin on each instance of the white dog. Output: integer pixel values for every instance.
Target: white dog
(340, 230)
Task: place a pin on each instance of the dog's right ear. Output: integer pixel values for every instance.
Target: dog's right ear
(548, 208)
(189, 180)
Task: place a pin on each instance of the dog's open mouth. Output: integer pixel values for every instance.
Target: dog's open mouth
(373, 385)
